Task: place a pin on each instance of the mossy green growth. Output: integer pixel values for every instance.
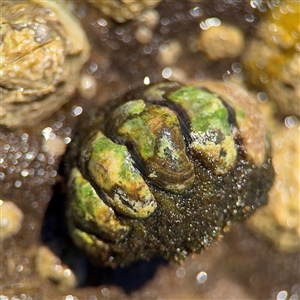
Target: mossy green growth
(110, 167)
(156, 140)
(94, 215)
(211, 135)
(146, 128)
(205, 110)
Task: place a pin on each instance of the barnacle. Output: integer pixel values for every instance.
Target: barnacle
(164, 169)
(123, 10)
(42, 49)
(272, 61)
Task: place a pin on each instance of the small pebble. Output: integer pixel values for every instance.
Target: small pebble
(143, 34)
(57, 146)
(221, 42)
(170, 53)
(87, 86)
(50, 267)
(11, 218)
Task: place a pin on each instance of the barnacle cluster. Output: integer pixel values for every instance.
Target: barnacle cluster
(123, 10)
(278, 222)
(272, 65)
(272, 61)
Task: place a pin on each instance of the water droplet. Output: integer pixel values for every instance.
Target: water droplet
(180, 272)
(262, 97)
(92, 68)
(249, 18)
(146, 80)
(255, 3)
(282, 295)
(237, 67)
(201, 277)
(196, 12)
(67, 273)
(105, 292)
(24, 173)
(210, 22)
(291, 121)
(102, 22)
(18, 183)
(67, 140)
(76, 111)
(166, 73)
(46, 132)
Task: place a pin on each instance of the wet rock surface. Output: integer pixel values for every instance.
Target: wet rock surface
(239, 266)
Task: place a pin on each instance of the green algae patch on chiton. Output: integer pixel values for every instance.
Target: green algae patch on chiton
(92, 212)
(110, 167)
(250, 121)
(155, 138)
(211, 135)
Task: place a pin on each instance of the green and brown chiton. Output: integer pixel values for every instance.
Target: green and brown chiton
(164, 170)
